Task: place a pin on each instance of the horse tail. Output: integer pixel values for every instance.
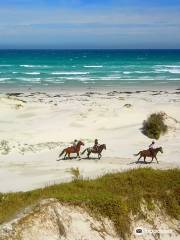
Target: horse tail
(137, 153)
(62, 153)
(84, 151)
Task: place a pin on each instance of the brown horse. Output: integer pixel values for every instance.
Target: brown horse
(149, 153)
(72, 149)
(92, 150)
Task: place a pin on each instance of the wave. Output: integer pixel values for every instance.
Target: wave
(70, 73)
(141, 72)
(4, 79)
(29, 79)
(53, 81)
(168, 66)
(93, 66)
(32, 73)
(34, 66)
(174, 71)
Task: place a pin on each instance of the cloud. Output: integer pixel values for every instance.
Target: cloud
(100, 27)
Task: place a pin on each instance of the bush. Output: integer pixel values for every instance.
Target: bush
(154, 126)
(4, 147)
(75, 173)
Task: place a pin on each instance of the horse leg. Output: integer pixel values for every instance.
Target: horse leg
(78, 155)
(156, 159)
(152, 159)
(65, 155)
(69, 156)
(88, 154)
(99, 156)
(144, 159)
(139, 158)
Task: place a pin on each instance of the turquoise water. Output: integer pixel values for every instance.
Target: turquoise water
(89, 67)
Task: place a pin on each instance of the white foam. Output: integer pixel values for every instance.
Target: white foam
(26, 65)
(175, 71)
(140, 72)
(29, 79)
(168, 66)
(32, 73)
(93, 66)
(4, 79)
(52, 80)
(126, 72)
(35, 66)
(110, 78)
(70, 73)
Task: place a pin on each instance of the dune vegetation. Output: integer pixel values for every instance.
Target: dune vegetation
(155, 126)
(116, 196)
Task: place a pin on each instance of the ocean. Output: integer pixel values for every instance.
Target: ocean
(76, 68)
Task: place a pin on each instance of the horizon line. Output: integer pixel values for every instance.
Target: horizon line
(89, 49)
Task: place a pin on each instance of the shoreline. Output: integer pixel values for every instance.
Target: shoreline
(92, 87)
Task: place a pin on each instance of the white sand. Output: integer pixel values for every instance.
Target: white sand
(35, 127)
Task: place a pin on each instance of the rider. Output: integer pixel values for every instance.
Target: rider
(96, 145)
(151, 147)
(75, 143)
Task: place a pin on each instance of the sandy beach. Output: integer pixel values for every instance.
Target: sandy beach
(36, 126)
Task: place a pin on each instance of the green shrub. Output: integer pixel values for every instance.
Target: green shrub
(75, 173)
(154, 126)
(4, 147)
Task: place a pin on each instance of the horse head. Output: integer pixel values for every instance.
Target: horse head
(104, 146)
(80, 143)
(160, 149)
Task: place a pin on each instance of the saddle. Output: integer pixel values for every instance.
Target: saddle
(95, 149)
(151, 150)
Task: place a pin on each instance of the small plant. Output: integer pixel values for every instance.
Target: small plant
(75, 173)
(4, 147)
(154, 126)
(127, 105)
(18, 106)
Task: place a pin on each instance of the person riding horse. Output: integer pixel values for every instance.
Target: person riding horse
(152, 147)
(96, 145)
(74, 144)
(97, 149)
(75, 148)
(151, 152)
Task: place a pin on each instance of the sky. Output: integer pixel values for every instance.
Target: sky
(89, 24)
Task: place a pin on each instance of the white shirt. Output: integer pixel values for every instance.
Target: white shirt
(152, 145)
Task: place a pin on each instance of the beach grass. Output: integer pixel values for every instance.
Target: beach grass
(116, 196)
(154, 126)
